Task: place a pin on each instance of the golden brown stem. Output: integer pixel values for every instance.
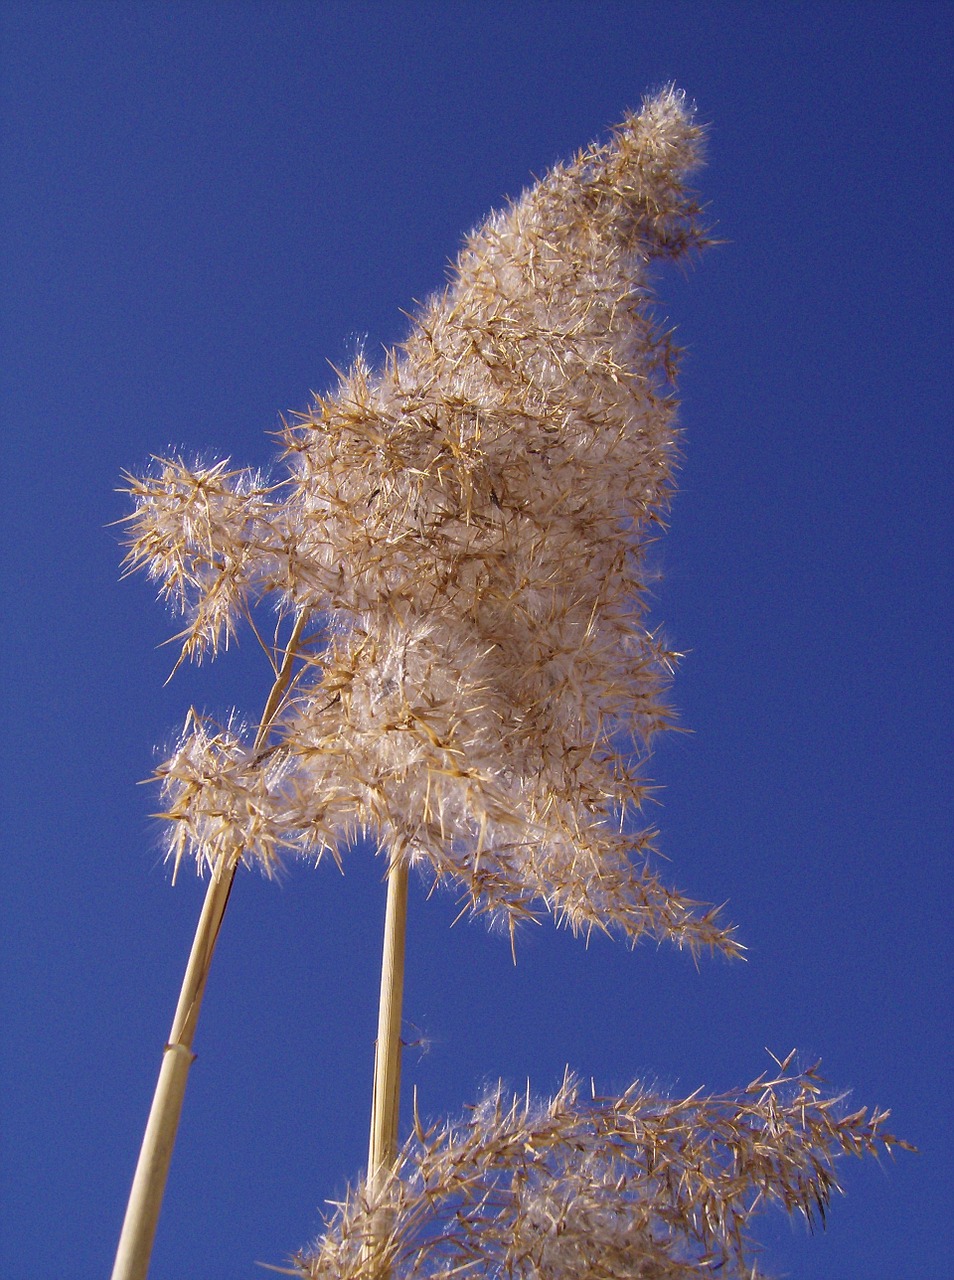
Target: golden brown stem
(152, 1168)
(386, 1093)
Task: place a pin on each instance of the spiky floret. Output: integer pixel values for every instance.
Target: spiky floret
(470, 524)
(640, 1187)
(202, 533)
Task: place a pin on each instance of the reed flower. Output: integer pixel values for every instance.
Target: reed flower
(200, 532)
(466, 527)
(641, 1187)
(223, 796)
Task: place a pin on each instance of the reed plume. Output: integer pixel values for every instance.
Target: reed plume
(640, 1187)
(466, 527)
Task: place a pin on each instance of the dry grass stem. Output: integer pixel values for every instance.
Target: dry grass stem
(152, 1168)
(386, 1089)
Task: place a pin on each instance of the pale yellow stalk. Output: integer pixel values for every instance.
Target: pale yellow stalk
(386, 1093)
(152, 1169)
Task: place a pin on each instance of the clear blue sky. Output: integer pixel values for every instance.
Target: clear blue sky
(205, 203)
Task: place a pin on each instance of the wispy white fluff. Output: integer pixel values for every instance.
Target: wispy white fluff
(641, 1187)
(473, 517)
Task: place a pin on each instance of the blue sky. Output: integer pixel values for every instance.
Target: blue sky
(203, 204)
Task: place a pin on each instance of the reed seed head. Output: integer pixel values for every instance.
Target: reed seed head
(468, 528)
(639, 1187)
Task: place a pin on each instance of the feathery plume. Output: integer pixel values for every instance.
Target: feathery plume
(641, 1186)
(469, 526)
(201, 533)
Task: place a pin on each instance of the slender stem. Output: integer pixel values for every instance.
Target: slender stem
(274, 699)
(152, 1169)
(386, 1093)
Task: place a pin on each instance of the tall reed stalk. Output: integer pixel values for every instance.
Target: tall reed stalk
(386, 1088)
(149, 1181)
(386, 1092)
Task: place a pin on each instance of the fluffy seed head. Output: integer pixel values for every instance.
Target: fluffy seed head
(468, 526)
(640, 1187)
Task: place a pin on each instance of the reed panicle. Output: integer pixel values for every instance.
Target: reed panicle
(467, 526)
(640, 1187)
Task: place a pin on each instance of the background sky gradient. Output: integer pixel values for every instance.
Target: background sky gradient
(203, 204)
